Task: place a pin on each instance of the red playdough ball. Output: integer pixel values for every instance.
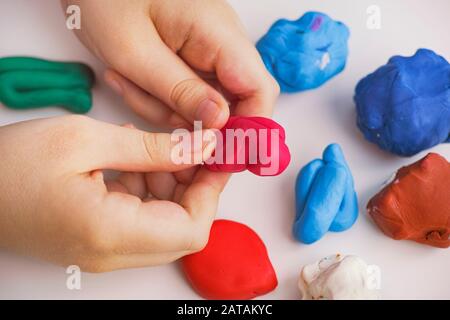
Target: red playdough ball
(233, 265)
(255, 149)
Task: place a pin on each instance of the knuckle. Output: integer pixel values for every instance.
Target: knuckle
(154, 145)
(187, 92)
(199, 240)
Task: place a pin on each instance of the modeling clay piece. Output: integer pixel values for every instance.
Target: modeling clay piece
(404, 106)
(305, 53)
(253, 143)
(233, 265)
(416, 204)
(325, 197)
(338, 278)
(32, 83)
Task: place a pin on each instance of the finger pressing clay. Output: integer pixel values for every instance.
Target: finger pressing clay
(256, 144)
(416, 204)
(233, 265)
(338, 278)
(305, 53)
(404, 106)
(325, 197)
(32, 83)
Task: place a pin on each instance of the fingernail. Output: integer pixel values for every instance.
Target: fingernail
(207, 111)
(115, 85)
(129, 126)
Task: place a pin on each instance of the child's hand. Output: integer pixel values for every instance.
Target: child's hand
(157, 49)
(54, 203)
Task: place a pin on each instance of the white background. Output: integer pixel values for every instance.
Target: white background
(312, 120)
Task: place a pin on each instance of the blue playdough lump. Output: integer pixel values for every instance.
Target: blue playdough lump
(305, 53)
(325, 197)
(404, 106)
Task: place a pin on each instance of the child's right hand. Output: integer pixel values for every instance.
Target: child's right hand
(163, 54)
(54, 203)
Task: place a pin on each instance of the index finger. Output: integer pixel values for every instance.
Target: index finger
(242, 72)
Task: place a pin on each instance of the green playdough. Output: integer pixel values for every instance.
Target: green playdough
(33, 83)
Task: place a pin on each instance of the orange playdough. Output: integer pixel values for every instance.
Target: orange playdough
(416, 205)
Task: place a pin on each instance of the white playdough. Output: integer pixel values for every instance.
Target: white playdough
(338, 278)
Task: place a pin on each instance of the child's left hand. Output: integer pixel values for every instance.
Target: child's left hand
(55, 204)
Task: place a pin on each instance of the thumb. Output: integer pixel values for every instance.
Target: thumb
(168, 78)
(128, 149)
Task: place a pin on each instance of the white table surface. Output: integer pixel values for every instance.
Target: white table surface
(312, 120)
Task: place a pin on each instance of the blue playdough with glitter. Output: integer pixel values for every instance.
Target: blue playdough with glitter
(305, 53)
(404, 106)
(325, 197)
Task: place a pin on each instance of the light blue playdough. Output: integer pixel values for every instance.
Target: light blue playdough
(325, 197)
(305, 53)
(404, 106)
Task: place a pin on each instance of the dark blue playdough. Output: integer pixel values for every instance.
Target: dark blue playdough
(325, 197)
(305, 53)
(404, 106)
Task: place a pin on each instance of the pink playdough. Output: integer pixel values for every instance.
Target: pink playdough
(256, 144)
